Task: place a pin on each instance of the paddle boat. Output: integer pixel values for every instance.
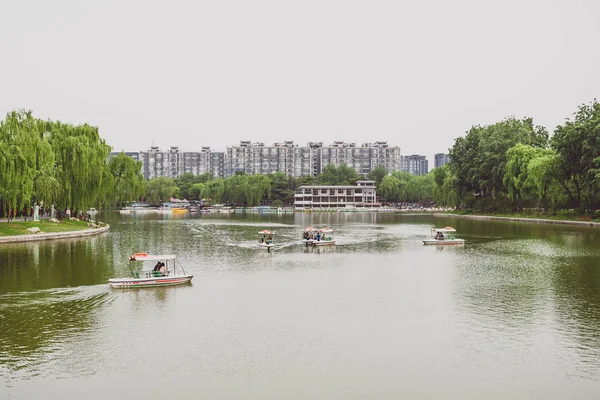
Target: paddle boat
(323, 237)
(443, 236)
(167, 272)
(265, 239)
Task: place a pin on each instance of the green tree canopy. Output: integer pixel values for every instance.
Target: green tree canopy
(52, 162)
(377, 174)
(577, 143)
(160, 189)
(478, 160)
(337, 176)
(129, 183)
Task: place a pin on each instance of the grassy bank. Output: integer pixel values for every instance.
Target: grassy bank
(536, 214)
(15, 228)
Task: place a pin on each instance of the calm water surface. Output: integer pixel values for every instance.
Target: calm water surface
(515, 313)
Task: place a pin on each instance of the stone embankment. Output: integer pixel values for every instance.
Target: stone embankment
(54, 235)
(529, 220)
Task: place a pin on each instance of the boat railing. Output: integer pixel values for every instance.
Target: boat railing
(149, 274)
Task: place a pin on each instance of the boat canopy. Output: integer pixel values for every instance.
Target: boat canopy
(309, 228)
(326, 230)
(149, 257)
(265, 232)
(446, 229)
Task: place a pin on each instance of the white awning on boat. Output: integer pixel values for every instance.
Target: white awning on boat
(446, 229)
(151, 257)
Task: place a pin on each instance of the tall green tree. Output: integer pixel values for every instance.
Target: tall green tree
(129, 182)
(282, 187)
(445, 191)
(305, 180)
(478, 160)
(516, 174)
(377, 174)
(185, 183)
(337, 176)
(577, 143)
(160, 189)
(214, 191)
(21, 137)
(81, 157)
(542, 173)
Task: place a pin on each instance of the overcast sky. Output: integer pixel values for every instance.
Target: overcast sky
(417, 74)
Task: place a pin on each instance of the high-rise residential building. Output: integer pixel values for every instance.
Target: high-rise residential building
(256, 158)
(315, 157)
(414, 164)
(217, 164)
(173, 163)
(440, 159)
(380, 154)
(238, 158)
(153, 163)
(363, 159)
(198, 163)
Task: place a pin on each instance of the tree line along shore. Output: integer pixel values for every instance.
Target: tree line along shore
(512, 166)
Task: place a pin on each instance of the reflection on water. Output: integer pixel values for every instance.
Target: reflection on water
(37, 329)
(514, 310)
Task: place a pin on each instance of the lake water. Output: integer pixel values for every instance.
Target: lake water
(514, 313)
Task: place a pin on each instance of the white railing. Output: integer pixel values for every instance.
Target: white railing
(151, 274)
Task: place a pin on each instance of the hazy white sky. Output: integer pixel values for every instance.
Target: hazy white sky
(196, 73)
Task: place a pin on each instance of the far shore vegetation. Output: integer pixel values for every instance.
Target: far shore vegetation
(512, 168)
(561, 215)
(15, 228)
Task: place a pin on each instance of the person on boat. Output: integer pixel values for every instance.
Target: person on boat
(318, 237)
(163, 269)
(156, 270)
(270, 239)
(305, 235)
(262, 239)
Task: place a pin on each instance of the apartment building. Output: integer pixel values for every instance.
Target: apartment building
(363, 194)
(173, 163)
(414, 164)
(256, 158)
(363, 159)
(440, 159)
(217, 164)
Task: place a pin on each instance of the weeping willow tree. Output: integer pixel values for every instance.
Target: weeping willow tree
(446, 189)
(81, 156)
(236, 187)
(52, 163)
(128, 179)
(259, 188)
(160, 189)
(402, 186)
(24, 152)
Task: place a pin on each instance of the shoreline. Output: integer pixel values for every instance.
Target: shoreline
(519, 219)
(53, 235)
